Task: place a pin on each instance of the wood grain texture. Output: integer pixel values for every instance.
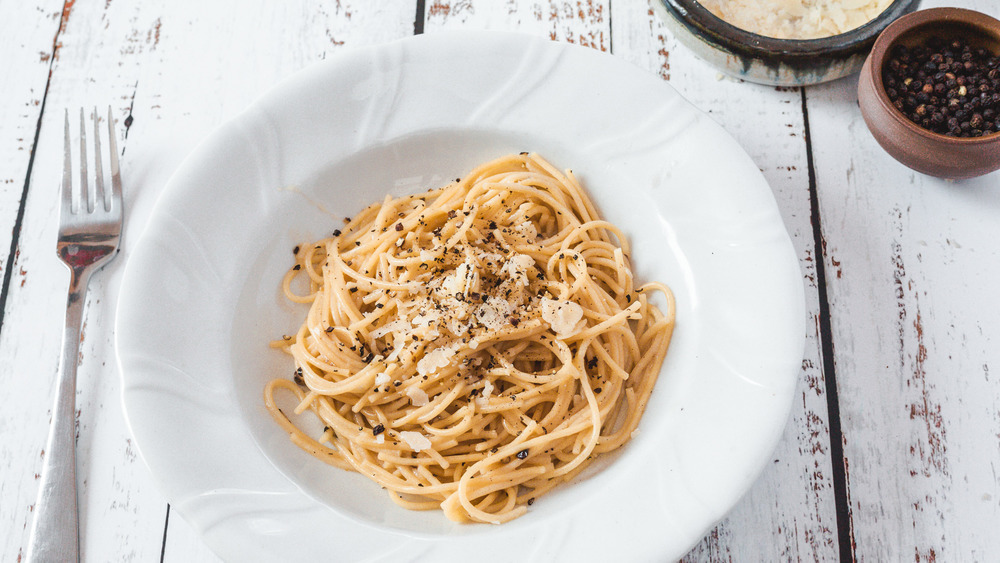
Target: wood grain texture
(792, 504)
(789, 514)
(28, 34)
(583, 22)
(32, 35)
(172, 72)
(912, 264)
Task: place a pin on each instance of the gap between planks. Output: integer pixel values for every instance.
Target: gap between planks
(19, 218)
(845, 531)
(418, 20)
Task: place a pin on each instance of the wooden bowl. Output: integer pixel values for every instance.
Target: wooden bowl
(767, 60)
(918, 148)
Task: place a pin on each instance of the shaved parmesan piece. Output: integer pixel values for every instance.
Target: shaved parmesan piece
(415, 440)
(563, 316)
(527, 230)
(418, 397)
(381, 379)
(434, 360)
(517, 267)
(456, 326)
(425, 319)
(464, 279)
(490, 257)
(494, 312)
(394, 326)
(398, 344)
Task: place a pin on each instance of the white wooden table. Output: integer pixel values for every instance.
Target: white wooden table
(892, 452)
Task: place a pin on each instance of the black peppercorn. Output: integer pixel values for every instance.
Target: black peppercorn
(945, 85)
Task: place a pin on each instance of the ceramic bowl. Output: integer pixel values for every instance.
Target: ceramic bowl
(922, 150)
(201, 298)
(767, 60)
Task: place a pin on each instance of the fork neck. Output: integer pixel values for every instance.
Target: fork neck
(78, 281)
(77, 258)
(83, 259)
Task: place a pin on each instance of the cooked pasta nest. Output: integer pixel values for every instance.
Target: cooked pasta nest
(472, 346)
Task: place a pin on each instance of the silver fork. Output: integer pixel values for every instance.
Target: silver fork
(89, 233)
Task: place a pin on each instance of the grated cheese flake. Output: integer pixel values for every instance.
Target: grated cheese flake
(415, 440)
(434, 360)
(563, 316)
(418, 397)
(517, 267)
(797, 19)
(393, 326)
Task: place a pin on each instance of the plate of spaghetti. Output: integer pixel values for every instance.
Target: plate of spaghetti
(466, 295)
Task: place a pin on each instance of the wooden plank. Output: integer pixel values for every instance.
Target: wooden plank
(121, 513)
(912, 262)
(583, 22)
(790, 513)
(29, 32)
(172, 71)
(28, 35)
(792, 505)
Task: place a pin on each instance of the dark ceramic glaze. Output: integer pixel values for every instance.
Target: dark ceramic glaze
(922, 150)
(767, 60)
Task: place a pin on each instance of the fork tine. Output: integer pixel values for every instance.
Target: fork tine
(84, 189)
(67, 181)
(116, 177)
(100, 199)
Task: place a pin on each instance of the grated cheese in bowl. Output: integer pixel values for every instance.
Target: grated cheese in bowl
(797, 19)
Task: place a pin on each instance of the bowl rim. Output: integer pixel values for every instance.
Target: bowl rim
(693, 14)
(901, 27)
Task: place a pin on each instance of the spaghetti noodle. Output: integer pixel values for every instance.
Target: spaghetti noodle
(473, 346)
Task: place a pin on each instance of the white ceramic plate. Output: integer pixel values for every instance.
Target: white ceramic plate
(200, 299)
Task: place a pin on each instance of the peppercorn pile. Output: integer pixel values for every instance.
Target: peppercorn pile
(946, 86)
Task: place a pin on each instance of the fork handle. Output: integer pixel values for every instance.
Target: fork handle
(55, 532)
